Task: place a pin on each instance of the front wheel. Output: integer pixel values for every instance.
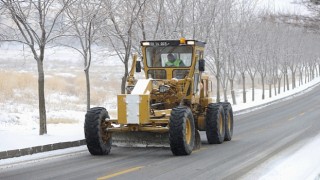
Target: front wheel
(181, 131)
(97, 138)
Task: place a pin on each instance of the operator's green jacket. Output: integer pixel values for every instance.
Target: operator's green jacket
(176, 63)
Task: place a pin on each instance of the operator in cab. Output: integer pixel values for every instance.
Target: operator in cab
(173, 61)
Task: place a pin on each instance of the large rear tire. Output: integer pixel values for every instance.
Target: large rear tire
(215, 123)
(181, 131)
(228, 120)
(98, 140)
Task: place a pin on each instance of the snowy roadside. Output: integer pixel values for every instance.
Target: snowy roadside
(295, 163)
(302, 164)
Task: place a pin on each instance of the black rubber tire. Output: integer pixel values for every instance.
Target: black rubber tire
(214, 129)
(179, 118)
(94, 133)
(228, 112)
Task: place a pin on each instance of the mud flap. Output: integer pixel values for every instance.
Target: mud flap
(140, 139)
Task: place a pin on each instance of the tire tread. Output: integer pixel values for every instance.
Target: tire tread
(94, 141)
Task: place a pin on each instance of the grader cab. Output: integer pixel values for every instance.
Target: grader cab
(167, 108)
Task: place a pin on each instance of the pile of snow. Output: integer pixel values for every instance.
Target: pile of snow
(303, 164)
(300, 164)
(19, 137)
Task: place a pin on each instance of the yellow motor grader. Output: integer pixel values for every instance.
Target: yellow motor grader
(169, 107)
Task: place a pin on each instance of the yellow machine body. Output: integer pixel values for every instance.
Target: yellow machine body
(147, 105)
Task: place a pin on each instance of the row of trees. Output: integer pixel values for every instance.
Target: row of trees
(269, 47)
(241, 41)
(269, 50)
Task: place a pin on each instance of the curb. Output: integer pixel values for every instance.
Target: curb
(39, 149)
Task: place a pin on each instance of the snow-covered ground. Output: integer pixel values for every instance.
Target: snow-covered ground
(303, 163)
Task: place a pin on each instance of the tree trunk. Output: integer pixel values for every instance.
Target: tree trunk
(300, 78)
(233, 95)
(262, 79)
(88, 87)
(284, 82)
(225, 95)
(275, 86)
(305, 76)
(252, 80)
(293, 79)
(279, 85)
(225, 89)
(125, 76)
(270, 90)
(244, 93)
(218, 88)
(287, 79)
(42, 105)
(126, 65)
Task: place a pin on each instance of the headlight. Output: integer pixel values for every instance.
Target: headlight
(190, 42)
(164, 88)
(145, 43)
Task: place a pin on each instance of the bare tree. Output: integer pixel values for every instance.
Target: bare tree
(301, 70)
(262, 70)
(252, 62)
(242, 68)
(84, 21)
(232, 71)
(217, 23)
(120, 35)
(236, 39)
(224, 75)
(36, 25)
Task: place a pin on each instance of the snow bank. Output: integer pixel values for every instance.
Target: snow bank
(18, 138)
(303, 164)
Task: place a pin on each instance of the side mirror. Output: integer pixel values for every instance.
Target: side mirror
(138, 66)
(201, 65)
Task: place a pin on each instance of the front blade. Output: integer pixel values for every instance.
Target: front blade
(140, 139)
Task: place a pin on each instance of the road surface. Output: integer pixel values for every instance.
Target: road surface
(258, 136)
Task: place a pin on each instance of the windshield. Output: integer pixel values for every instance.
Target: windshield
(169, 56)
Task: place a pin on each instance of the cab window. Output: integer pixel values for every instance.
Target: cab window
(157, 74)
(180, 74)
(158, 56)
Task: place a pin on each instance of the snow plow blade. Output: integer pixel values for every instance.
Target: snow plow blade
(147, 139)
(140, 139)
